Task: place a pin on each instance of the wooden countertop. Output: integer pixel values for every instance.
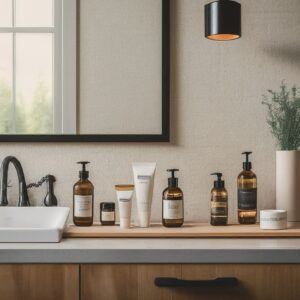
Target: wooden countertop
(189, 230)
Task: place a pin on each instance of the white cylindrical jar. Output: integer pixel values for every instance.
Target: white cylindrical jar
(273, 219)
(288, 183)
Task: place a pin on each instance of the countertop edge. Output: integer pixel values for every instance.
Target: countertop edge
(184, 256)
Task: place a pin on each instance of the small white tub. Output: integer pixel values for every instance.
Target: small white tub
(275, 219)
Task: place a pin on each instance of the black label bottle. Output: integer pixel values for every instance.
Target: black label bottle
(172, 203)
(247, 193)
(83, 199)
(219, 202)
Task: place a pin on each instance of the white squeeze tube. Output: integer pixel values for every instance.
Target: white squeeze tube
(144, 180)
(124, 194)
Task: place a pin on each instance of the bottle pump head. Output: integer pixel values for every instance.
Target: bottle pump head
(83, 174)
(218, 184)
(173, 181)
(247, 166)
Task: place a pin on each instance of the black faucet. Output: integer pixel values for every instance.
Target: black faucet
(23, 196)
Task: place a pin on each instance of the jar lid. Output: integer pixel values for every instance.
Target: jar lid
(107, 205)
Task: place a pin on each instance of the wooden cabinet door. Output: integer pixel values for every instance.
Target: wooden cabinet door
(126, 281)
(255, 282)
(134, 282)
(39, 282)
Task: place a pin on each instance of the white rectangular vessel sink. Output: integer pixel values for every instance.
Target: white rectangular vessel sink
(32, 224)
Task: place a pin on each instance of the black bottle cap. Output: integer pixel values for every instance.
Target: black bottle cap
(218, 184)
(247, 166)
(172, 181)
(83, 174)
(107, 205)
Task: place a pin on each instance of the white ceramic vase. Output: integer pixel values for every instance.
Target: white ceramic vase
(288, 183)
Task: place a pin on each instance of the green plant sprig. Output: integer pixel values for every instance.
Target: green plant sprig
(284, 116)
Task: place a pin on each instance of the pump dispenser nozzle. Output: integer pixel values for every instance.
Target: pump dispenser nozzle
(172, 181)
(83, 174)
(218, 184)
(247, 166)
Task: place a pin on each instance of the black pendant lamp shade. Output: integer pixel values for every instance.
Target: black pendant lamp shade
(223, 20)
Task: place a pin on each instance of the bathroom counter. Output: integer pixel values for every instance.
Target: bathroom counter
(154, 250)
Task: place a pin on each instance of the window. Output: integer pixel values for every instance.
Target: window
(37, 66)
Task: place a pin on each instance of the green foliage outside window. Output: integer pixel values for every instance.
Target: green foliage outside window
(36, 118)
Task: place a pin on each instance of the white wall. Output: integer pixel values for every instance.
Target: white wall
(216, 112)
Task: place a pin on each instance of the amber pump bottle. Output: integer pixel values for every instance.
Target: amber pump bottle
(219, 202)
(247, 193)
(83, 198)
(172, 203)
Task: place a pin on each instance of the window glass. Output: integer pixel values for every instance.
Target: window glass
(34, 83)
(34, 13)
(6, 111)
(5, 13)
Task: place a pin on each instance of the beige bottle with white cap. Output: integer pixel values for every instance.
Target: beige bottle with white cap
(124, 195)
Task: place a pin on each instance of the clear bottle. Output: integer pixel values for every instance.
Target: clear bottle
(219, 202)
(172, 203)
(247, 193)
(83, 198)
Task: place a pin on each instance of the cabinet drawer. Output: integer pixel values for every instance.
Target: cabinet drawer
(126, 281)
(39, 282)
(188, 282)
(255, 282)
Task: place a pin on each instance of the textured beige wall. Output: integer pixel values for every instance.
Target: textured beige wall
(216, 112)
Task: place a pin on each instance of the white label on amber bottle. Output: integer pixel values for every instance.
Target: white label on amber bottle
(108, 216)
(83, 206)
(172, 209)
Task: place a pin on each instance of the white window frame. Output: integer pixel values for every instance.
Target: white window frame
(64, 63)
(69, 68)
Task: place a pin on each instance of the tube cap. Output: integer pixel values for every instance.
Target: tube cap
(144, 219)
(124, 223)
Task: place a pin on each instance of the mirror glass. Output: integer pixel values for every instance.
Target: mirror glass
(114, 84)
(126, 97)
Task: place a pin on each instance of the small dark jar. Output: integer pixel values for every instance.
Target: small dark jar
(107, 213)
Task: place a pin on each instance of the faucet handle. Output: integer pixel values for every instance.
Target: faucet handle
(50, 199)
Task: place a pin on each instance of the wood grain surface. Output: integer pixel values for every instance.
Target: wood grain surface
(39, 282)
(191, 230)
(136, 281)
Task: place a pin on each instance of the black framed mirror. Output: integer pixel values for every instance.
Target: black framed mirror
(130, 103)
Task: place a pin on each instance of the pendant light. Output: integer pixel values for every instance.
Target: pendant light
(223, 20)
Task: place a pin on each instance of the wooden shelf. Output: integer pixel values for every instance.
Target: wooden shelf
(189, 230)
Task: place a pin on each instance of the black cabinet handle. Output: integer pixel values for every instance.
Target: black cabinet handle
(174, 282)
